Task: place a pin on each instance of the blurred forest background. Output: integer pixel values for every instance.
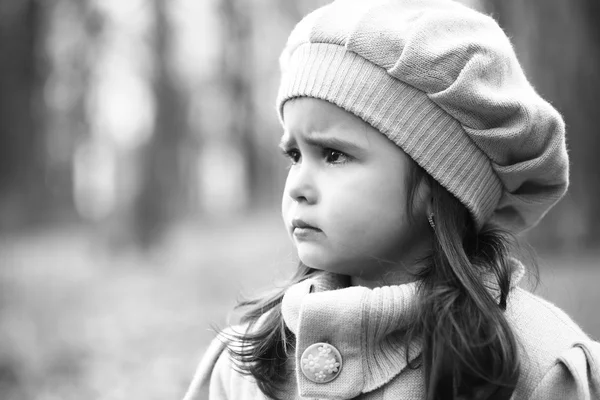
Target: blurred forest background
(140, 181)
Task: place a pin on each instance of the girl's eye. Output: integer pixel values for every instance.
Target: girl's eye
(293, 155)
(335, 157)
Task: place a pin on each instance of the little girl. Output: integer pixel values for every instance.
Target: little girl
(417, 149)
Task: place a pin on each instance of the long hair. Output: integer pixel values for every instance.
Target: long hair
(264, 348)
(469, 350)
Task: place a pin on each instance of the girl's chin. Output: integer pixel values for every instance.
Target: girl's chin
(324, 262)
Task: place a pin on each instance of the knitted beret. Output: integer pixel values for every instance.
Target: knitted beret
(443, 83)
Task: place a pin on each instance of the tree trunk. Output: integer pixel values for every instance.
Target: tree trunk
(22, 157)
(237, 74)
(160, 196)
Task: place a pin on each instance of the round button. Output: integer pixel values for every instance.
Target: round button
(321, 362)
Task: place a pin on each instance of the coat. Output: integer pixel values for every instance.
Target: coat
(558, 360)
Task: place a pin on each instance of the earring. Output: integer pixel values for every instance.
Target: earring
(431, 222)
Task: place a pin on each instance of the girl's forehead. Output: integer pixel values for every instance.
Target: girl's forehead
(304, 116)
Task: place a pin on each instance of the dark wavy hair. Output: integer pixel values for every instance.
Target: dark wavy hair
(469, 350)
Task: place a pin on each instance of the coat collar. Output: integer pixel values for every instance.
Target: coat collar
(367, 326)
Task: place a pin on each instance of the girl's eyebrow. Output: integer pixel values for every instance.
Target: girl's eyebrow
(288, 140)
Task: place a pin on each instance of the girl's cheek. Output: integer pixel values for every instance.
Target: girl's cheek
(347, 215)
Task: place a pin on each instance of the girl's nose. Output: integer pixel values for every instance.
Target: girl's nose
(301, 185)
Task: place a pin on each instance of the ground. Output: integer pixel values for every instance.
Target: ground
(77, 323)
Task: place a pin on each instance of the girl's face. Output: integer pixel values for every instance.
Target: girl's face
(345, 197)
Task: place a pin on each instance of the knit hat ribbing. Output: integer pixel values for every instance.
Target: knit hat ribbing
(442, 82)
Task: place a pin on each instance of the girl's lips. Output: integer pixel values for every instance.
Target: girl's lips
(306, 233)
(298, 223)
(302, 230)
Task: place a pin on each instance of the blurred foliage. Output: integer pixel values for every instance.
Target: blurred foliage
(131, 117)
(134, 116)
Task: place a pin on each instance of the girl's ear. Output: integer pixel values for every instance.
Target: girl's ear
(429, 206)
(424, 196)
(430, 213)
(422, 202)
